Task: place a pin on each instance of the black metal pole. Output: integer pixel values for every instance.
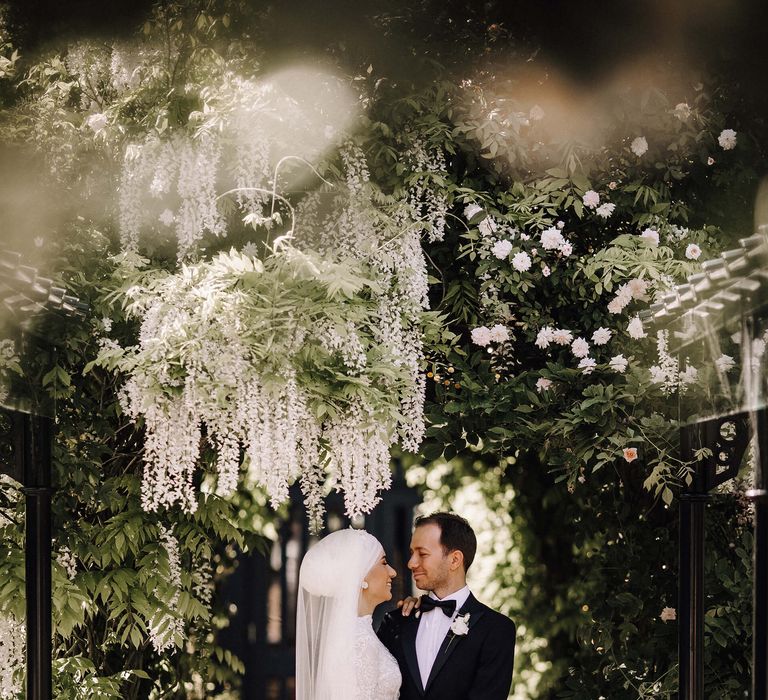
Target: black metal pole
(759, 496)
(691, 596)
(33, 445)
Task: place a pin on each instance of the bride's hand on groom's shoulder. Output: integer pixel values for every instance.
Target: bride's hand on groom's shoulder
(408, 605)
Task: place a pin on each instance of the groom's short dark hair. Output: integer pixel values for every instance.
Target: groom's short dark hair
(455, 534)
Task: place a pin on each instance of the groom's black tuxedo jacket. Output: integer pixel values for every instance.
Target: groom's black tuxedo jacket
(475, 666)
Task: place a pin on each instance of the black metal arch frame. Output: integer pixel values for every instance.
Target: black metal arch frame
(733, 286)
(24, 295)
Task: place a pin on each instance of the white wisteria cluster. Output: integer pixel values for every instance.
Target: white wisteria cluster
(165, 630)
(11, 655)
(289, 361)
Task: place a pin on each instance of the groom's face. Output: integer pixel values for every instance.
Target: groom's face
(428, 563)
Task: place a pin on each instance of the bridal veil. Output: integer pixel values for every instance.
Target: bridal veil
(330, 580)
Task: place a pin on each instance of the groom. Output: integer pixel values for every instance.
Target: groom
(452, 647)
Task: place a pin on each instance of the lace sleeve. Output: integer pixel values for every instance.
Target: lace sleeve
(366, 666)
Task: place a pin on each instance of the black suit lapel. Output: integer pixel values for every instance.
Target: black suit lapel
(410, 628)
(451, 641)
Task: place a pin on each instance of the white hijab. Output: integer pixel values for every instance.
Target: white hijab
(330, 584)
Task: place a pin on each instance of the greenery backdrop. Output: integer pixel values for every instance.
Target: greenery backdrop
(585, 557)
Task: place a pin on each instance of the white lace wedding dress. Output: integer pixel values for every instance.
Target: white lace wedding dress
(378, 676)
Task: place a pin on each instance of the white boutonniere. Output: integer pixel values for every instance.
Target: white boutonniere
(459, 628)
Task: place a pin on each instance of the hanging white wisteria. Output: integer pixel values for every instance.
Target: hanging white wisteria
(281, 359)
(11, 655)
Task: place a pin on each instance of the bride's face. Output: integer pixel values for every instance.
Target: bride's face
(379, 580)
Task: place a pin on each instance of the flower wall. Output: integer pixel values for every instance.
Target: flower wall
(551, 410)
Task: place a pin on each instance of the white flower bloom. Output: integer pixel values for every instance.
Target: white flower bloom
(637, 288)
(658, 375)
(546, 271)
(542, 384)
(551, 239)
(524, 237)
(689, 375)
(566, 249)
(96, 122)
(727, 139)
(639, 146)
(544, 337)
(250, 249)
(616, 305)
(618, 363)
(521, 261)
(487, 226)
(587, 365)
(561, 225)
(724, 363)
(650, 235)
(692, 252)
(471, 210)
(601, 336)
(682, 111)
(499, 333)
(668, 614)
(591, 199)
(536, 113)
(562, 336)
(580, 347)
(501, 249)
(460, 626)
(481, 336)
(106, 324)
(635, 328)
(167, 217)
(605, 210)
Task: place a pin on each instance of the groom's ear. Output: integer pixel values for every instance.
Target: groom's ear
(456, 560)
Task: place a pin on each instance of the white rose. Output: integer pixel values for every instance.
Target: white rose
(591, 199)
(460, 626)
(521, 262)
(501, 249)
(471, 210)
(692, 252)
(682, 111)
(580, 347)
(727, 139)
(601, 336)
(651, 236)
(562, 336)
(96, 122)
(544, 338)
(481, 336)
(499, 333)
(587, 365)
(618, 363)
(605, 210)
(551, 239)
(639, 146)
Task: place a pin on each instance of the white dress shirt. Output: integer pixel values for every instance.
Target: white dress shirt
(433, 626)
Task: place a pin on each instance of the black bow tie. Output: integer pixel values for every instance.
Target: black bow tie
(447, 606)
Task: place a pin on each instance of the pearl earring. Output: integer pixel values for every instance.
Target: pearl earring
(364, 585)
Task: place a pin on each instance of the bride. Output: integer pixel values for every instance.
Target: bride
(338, 656)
